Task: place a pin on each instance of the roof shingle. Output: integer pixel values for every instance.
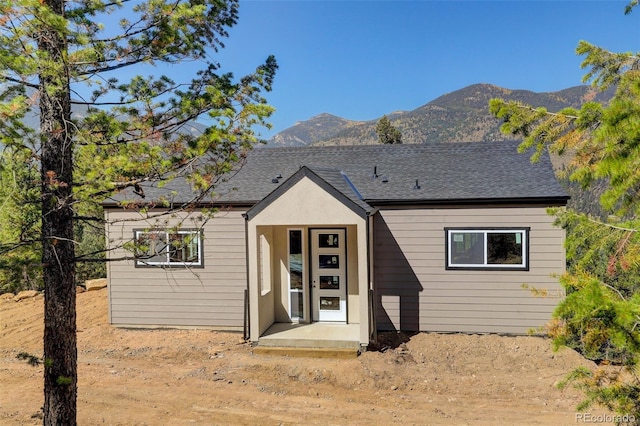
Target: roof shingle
(454, 172)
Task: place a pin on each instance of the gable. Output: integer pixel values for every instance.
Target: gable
(305, 202)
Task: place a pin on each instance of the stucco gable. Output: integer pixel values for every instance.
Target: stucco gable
(316, 198)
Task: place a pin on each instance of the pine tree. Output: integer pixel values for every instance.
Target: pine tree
(601, 314)
(55, 54)
(387, 133)
(20, 221)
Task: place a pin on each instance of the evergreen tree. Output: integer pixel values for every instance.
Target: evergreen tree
(20, 221)
(386, 132)
(601, 314)
(53, 52)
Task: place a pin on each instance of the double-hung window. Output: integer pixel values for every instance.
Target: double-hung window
(168, 248)
(487, 248)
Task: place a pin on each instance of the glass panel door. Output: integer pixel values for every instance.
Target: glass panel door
(328, 280)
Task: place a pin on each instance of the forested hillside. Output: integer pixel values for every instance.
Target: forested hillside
(460, 116)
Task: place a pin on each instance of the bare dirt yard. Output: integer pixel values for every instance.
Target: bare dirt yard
(175, 377)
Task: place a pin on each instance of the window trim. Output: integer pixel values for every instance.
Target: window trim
(524, 266)
(145, 263)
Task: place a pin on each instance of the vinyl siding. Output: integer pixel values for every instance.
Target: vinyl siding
(209, 296)
(415, 292)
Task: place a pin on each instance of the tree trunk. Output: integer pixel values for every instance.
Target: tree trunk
(58, 254)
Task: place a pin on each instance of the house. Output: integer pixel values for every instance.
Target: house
(355, 239)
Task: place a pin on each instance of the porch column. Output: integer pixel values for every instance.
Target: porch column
(363, 281)
(254, 288)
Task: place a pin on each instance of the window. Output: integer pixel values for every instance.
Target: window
(162, 248)
(265, 265)
(296, 275)
(487, 248)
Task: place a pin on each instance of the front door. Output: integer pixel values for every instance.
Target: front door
(328, 275)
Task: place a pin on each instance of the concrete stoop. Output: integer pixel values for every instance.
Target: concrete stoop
(318, 340)
(334, 353)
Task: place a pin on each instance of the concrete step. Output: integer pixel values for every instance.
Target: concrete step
(315, 335)
(309, 343)
(334, 353)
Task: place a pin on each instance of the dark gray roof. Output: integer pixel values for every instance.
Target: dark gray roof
(451, 172)
(341, 182)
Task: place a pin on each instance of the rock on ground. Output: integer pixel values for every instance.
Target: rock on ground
(25, 294)
(96, 284)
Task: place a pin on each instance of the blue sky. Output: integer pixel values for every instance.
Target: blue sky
(362, 59)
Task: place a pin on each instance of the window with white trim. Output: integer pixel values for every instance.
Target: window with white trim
(296, 274)
(487, 248)
(264, 260)
(168, 248)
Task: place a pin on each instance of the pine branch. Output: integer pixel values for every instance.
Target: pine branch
(20, 81)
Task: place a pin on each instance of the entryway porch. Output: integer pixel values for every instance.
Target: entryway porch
(308, 266)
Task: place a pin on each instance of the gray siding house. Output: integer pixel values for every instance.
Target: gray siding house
(360, 239)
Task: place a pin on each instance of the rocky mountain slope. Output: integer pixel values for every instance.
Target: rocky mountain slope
(460, 116)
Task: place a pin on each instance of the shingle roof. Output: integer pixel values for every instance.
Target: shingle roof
(341, 182)
(451, 172)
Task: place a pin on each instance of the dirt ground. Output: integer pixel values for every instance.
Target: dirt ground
(175, 377)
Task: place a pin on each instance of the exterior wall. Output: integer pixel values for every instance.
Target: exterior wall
(267, 291)
(415, 292)
(281, 277)
(212, 296)
(353, 292)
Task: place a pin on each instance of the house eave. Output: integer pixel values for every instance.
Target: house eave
(175, 205)
(558, 201)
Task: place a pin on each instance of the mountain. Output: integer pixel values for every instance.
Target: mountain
(460, 116)
(318, 128)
